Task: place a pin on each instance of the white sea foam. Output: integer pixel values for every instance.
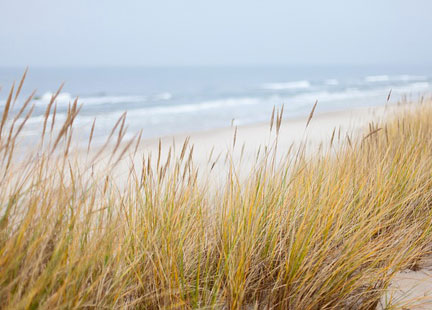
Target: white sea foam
(401, 78)
(176, 109)
(163, 96)
(66, 98)
(377, 78)
(120, 99)
(288, 85)
(62, 98)
(112, 100)
(407, 77)
(326, 96)
(298, 100)
(205, 105)
(354, 93)
(419, 86)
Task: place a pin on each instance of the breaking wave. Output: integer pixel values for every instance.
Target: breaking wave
(288, 85)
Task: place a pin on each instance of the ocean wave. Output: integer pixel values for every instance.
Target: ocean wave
(163, 96)
(327, 96)
(297, 100)
(419, 86)
(395, 78)
(62, 98)
(156, 114)
(377, 78)
(112, 100)
(66, 98)
(288, 85)
(205, 105)
(408, 78)
(353, 93)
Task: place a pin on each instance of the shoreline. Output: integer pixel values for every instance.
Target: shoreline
(250, 138)
(298, 120)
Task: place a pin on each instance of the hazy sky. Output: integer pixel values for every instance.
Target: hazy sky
(222, 32)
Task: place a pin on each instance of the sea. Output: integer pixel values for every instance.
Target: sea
(165, 101)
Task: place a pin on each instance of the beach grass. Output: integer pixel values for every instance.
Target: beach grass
(324, 229)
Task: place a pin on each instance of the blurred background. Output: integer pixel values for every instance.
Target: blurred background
(179, 67)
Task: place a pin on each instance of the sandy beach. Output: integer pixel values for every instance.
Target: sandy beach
(210, 148)
(293, 130)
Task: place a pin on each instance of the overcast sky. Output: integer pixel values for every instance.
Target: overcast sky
(222, 32)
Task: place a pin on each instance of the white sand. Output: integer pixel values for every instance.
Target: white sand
(254, 137)
(411, 290)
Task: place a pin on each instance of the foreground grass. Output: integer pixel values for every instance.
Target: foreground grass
(327, 231)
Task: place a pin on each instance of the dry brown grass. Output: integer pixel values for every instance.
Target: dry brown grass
(327, 232)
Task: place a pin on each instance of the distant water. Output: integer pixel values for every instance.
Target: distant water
(170, 100)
